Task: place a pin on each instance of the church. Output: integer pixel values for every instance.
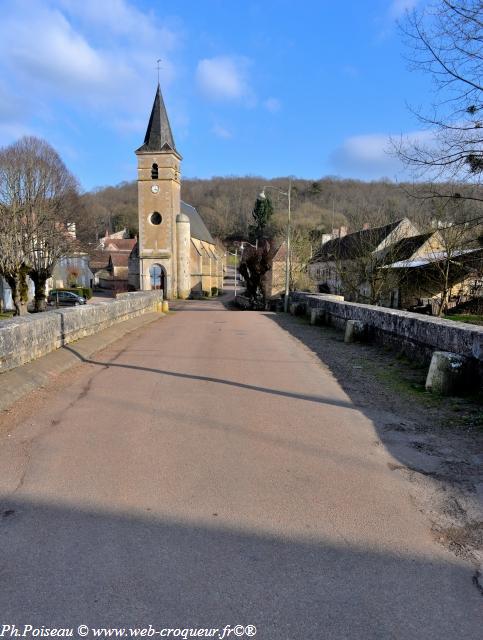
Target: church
(175, 252)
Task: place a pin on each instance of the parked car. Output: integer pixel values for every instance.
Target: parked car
(59, 298)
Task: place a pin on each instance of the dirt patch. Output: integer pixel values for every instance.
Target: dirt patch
(461, 540)
(437, 442)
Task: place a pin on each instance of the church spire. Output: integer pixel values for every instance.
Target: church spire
(158, 134)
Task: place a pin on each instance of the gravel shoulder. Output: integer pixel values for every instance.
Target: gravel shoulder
(437, 442)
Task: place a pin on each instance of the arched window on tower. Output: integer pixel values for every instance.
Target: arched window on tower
(154, 172)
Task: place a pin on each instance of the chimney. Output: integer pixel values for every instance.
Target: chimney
(342, 232)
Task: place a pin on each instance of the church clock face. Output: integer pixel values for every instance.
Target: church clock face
(155, 188)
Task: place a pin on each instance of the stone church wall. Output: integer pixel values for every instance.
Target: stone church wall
(28, 337)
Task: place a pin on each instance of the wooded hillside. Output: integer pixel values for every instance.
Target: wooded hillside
(226, 204)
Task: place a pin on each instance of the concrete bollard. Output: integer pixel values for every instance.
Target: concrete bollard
(354, 330)
(297, 309)
(446, 373)
(317, 316)
(165, 307)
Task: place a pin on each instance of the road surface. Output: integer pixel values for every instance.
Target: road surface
(209, 471)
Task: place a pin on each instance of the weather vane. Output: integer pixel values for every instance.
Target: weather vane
(158, 65)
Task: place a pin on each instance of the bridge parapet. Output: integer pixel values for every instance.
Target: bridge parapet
(26, 338)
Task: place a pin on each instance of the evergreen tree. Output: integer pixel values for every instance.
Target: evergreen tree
(261, 214)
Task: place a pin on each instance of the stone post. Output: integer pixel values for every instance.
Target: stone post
(446, 373)
(354, 330)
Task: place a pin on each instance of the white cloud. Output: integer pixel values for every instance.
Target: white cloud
(370, 156)
(272, 104)
(120, 18)
(46, 47)
(396, 11)
(224, 78)
(398, 8)
(222, 132)
(98, 56)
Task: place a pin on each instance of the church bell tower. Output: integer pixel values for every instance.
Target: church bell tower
(158, 203)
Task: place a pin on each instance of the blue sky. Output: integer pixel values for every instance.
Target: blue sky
(274, 87)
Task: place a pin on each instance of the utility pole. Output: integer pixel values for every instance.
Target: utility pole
(288, 194)
(287, 258)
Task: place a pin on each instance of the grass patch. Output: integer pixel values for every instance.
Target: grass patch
(405, 379)
(232, 261)
(468, 319)
(408, 381)
(5, 315)
(469, 416)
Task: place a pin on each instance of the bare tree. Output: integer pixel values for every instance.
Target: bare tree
(39, 194)
(256, 262)
(301, 252)
(446, 41)
(12, 252)
(454, 260)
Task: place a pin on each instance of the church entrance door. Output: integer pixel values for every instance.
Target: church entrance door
(157, 275)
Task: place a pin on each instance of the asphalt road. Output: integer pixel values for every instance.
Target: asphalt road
(208, 471)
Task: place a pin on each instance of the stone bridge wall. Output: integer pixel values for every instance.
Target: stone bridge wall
(28, 337)
(414, 334)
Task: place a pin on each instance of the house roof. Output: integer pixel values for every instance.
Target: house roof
(158, 134)
(119, 259)
(119, 244)
(198, 228)
(466, 255)
(281, 254)
(123, 233)
(98, 259)
(406, 247)
(354, 244)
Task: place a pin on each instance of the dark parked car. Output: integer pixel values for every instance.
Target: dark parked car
(64, 299)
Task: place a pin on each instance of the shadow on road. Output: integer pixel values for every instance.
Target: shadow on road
(416, 428)
(66, 565)
(231, 383)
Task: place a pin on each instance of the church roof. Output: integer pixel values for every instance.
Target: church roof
(198, 228)
(158, 134)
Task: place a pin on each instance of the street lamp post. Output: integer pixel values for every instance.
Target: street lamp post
(236, 261)
(288, 194)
